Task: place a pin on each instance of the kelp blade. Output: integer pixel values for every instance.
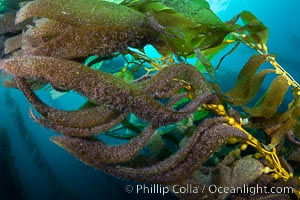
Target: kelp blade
(272, 99)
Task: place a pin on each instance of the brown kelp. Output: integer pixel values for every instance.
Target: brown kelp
(31, 145)
(100, 86)
(7, 23)
(10, 33)
(174, 122)
(93, 40)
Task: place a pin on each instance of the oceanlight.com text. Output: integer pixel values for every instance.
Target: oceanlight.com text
(213, 189)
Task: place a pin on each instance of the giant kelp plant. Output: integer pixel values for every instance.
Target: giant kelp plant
(175, 121)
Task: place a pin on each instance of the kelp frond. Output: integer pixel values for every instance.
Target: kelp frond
(101, 86)
(159, 106)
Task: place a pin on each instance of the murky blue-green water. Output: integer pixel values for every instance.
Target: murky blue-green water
(46, 171)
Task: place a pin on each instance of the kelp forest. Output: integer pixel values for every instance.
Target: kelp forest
(175, 122)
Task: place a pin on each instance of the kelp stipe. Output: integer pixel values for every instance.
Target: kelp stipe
(9, 182)
(31, 145)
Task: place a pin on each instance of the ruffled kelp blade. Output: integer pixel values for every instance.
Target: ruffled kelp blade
(179, 166)
(258, 32)
(57, 39)
(83, 122)
(103, 88)
(97, 151)
(265, 114)
(99, 118)
(185, 25)
(7, 23)
(248, 82)
(13, 44)
(88, 13)
(272, 99)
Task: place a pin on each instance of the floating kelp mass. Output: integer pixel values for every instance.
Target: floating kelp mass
(156, 104)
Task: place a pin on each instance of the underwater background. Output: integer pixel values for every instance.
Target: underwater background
(46, 171)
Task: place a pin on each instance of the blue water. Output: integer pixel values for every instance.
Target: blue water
(84, 182)
(282, 18)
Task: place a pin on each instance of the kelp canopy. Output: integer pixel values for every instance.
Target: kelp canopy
(152, 103)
